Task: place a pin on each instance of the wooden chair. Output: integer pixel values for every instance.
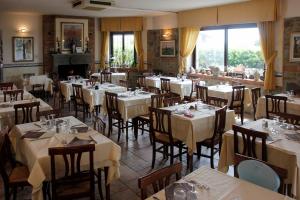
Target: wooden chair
(202, 93)
(99, 124)
(154, 90)
(45, 113)
(13, 173)
(255, 93)
(216, 101)
(7, 86)
(237, 100)
(220, 120)
(91, 82)
(171, 101)
(123, 83)
(114, 114)
(193, 93)
(13, 94)
(27, 111)
(276, 104)
(105, 77)
(38, 90)
(141, 81)
(79, 101)
(165, 85)
(159, 179)
(161, 132)
(75, 183)
(290, 118)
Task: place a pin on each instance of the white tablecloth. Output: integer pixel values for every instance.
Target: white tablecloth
(183, 88)
(198, 128)
(281, 152)
(34, 153)
(38, 79)
(115, 77)
(224, 187)
(292, 106)
(7, 111)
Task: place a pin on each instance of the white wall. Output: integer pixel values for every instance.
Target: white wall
(291, 9)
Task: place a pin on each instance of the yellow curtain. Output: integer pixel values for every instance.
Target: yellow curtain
(188, 39)
(266, 31)
(104, 48)
(138, 44)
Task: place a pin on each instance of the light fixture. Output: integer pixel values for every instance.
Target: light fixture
(23, 29)
(167, 34)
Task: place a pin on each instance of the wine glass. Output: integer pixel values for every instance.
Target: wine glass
(179, 193)
(192, 193)
(43, 121)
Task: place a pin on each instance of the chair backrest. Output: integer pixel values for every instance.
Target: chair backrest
(111, 103)
(105, 77)
(216, 101)
(255, 93)
(220, 121)
(78, 94)
(259, 173)
(99, 124)
(72, 160)
(141, 81)
(157, 100)
(165, 85)
(160, 122)
(159, 179)
(154, 90)
(202, 93)
(45, 113)
(274, 105)
(27, 111)
(123, 83)
(237, 96)
(6, 156)
(171, 101)
(249, 147)
(194, 83)
(290, 118)
(13, 93)
(92, 81)
(6, 86)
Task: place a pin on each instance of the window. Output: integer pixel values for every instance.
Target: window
(122, 49)
(231, 48)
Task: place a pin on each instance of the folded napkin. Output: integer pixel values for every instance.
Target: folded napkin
(293, 137)
(81, 129)
(77, 142)
(189, 115)
(32, 134)
(169, 191)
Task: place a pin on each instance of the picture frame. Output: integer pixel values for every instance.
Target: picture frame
(295, 47)
(23, 49)
(72, 33)
(167, 48)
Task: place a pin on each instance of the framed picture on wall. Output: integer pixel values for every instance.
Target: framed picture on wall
(72, 34)
(167, 48)
(295, 47)
(22, 49)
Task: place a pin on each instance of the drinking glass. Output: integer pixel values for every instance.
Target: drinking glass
(43, 121)
(192, 194)
(179, 193)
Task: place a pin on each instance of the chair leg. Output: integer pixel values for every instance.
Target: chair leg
(153, 154)
(100, 184)
(126, 131)
(109, 126)
(180, 152)
(119, 129)
(212, 157)
(199, 151)
(171, 155)
(6, 191)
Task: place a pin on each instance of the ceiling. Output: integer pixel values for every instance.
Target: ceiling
(122, 7)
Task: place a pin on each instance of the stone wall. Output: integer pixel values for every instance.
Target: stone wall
(291, 70)
(155, 62)
(49, 38)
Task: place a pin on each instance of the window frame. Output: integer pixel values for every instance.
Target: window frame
(111, 34)
(225, 28)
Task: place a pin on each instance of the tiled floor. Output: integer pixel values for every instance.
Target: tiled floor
(135, 162)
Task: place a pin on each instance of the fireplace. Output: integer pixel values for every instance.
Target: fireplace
(63, 64)
(66, 70)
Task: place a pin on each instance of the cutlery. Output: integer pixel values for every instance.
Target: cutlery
(156, 198)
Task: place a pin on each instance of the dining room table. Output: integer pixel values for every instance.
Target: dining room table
(31, 142)
(183, 87)
(225, 91)
(115, 77)
(26, 96)
(7, 111)
(283, 144)
(292, 105)
(211, 184)
(38, 79)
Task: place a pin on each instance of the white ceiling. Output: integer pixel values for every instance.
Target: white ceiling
(122, 7)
